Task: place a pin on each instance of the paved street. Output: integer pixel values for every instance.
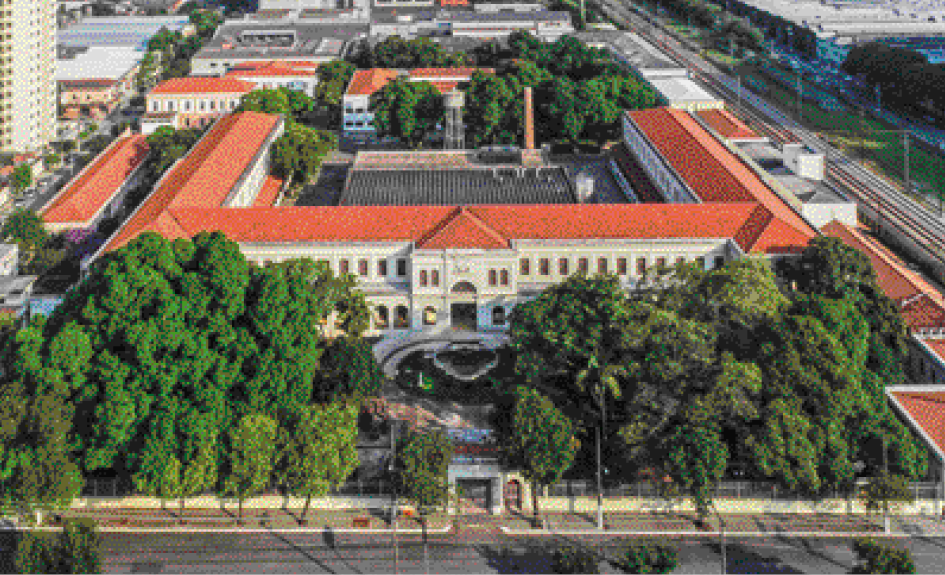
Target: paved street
(338, 553)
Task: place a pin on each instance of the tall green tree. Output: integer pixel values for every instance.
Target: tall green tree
(350, 364)
(252, 454)
(333, 80)
(26, 228)
(409, 111)
(423, 459)
(166, 342)
(21, 178)
(536, 438)
(267, 101)
(318, 449)
(298, 153)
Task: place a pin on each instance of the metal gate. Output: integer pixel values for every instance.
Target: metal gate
(476, 495)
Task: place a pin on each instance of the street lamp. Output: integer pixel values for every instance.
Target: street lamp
(394, 511)
(600, 476)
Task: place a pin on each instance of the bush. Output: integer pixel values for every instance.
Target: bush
(873, 556)
(649, 557)
(573, 559)
(80, 547)
(37, 552)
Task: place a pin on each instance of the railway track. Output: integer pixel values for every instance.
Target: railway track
(874, 193)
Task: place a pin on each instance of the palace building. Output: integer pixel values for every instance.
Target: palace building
(456, 239)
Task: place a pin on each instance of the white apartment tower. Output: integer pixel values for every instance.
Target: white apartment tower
(27, 74)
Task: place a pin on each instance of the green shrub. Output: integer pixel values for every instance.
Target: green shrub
(573, 559)
(873, 556)
(649, 557)
(37, 552)
(77, 549)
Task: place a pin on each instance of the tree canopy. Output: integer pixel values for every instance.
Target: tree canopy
(703, 370)
(166, 345)
(24, 227)
(21, 178)
(298, 153)
(396, 52)
(409, 111)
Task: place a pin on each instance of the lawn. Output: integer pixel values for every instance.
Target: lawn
(856, 136)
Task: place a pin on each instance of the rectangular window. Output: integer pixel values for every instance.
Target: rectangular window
(362, 267)
(641, 266)
(622, 266)
(602, 265)
(401, 267)
(343, 267)
(661, 262)
(719, 261)
(582, 265)
(563, 266)
(525, 267)
(382, 268)
(545, 266)
(680, 260)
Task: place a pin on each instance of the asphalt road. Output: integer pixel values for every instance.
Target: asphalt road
(304, 553)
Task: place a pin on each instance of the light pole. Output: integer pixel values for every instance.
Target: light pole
(721, 539)
(600, 482)
(394, 510)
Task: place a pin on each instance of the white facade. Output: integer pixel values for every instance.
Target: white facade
(27, 74)
(426, 290)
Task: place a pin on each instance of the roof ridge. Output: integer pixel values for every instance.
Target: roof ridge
(483, 224)
(923, 395)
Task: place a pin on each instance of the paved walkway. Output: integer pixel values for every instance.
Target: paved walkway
(368, 520)
(393, 348)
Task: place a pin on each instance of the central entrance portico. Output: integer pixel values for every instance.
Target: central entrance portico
(463, 309)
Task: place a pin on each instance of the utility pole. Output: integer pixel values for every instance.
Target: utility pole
(600, 482)
(395, 511)
(721, 539)
(739, 92)
(799, 88)
(905, 160)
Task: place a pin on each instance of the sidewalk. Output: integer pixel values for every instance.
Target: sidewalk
(617, 524)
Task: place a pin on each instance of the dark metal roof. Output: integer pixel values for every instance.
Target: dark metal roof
(549, 185)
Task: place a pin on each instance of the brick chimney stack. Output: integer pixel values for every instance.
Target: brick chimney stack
(529, 120)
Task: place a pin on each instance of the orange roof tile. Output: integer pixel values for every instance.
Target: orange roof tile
(269, 192)
(198, 85)
(727, 125)
(441, 227)
(927, 410)
(204, 177)
(921, 312)
(712, 171)
(444, 87)
(462, 229)
(448, 72)
(86, 195)
(897, 281)
(366, 82)
(274, 68)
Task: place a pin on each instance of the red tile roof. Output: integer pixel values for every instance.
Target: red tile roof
(462, 229)
(198, 85)
(441, 227)
(927, 410)
(727, 125)
(274, 68)
(450, 73)
(897, 281)
(86, 195)
(87, 84)
(269, 192)
(714, 173)
(204, 177)
(366, 82)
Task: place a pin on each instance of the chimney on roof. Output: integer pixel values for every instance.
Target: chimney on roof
(529, 120)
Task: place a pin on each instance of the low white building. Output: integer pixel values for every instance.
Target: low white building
(683, 93)
(301, 76)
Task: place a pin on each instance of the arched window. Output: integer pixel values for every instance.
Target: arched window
(544, 266)
(435, 278)
(381, 317)
(504, 275)
(492, 278)
(622, 266)
(582, 265)
(498, 315)
(524, 267)
(563, 266)
(429, 315)
(401, 317)
(601, 265)
(423, 278)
